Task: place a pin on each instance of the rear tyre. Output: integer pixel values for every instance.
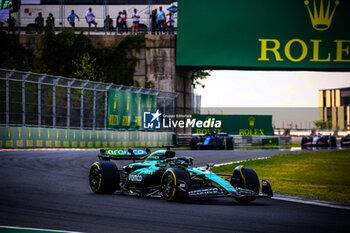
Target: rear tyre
(245, 178)
(333, 141)
(193, 143)
(229, 143)
(303, 140)
(104, 177)
(174, 184)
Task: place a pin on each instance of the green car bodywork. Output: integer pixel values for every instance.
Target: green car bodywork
(174, 178)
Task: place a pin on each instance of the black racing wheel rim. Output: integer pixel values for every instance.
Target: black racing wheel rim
(168, 186)
(95, 178)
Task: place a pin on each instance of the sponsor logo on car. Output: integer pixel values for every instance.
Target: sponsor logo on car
(204, 191)
(137, 178)
(125, 152)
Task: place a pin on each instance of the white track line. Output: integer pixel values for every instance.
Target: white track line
(315, 202)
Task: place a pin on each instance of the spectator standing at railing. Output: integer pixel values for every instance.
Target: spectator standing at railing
(39, 23)
(50, 20)
(119, 23)
(108, 24)
(71, 19)
(135, 21)
(124, 25)
(90, 19)
(170, 20)
(154, 21)
(160, 18)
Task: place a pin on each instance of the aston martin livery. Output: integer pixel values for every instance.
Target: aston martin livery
(173, 178)
(318, 140)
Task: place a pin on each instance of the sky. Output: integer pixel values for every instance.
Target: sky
(227, 88)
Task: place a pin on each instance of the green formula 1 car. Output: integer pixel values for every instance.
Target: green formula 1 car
(173, 178)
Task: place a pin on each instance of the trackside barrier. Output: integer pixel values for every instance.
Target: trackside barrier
(28, 137)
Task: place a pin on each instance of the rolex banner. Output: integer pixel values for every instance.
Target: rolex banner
(125, 109)
(264, 34)
(245, 125)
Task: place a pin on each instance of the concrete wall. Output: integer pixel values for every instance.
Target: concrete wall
(157, 64)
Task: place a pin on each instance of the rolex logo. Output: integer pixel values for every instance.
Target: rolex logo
(321, 18)
(251, 121)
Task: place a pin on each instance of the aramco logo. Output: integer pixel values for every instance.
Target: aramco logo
(321, 18)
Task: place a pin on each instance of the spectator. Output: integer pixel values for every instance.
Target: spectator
(170, 23)
(11, 24)
(90, 19)
(154, 21)
(124, 25)
(108, 24)
(161, 16)
(135, 21)
(50, 20)
(71, 19)
(39, 23)
(119, 22)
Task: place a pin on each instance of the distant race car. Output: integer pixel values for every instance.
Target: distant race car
(345, 141)
(212, 141)
(173, 178)
(319, 140)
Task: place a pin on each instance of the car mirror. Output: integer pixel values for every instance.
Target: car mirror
(210, 166)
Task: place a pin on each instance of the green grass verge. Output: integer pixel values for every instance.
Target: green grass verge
(323, 175)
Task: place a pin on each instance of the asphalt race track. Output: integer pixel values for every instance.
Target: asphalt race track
(50, 190)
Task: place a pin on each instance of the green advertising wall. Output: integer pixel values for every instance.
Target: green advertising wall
(26, 137)
(256, 125)
(269, 34)
(125, 109)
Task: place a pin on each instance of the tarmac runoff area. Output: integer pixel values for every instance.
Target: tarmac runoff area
(50, 190)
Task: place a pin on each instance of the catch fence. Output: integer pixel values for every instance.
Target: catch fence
(41, 100)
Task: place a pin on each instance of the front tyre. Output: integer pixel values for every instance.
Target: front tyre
(174, 184)
(245, 178)
(104, 177)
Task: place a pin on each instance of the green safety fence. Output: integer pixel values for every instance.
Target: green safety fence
(125, 109)
(27, 137)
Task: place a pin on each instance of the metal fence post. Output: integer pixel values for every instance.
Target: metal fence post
(54, 102)
(82, 105)
(106, 104)
(24, 98)
(94, 108)
(8, 98)
(39, 99)
(68, 103)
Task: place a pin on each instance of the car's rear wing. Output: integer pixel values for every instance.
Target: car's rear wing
(123, 154)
